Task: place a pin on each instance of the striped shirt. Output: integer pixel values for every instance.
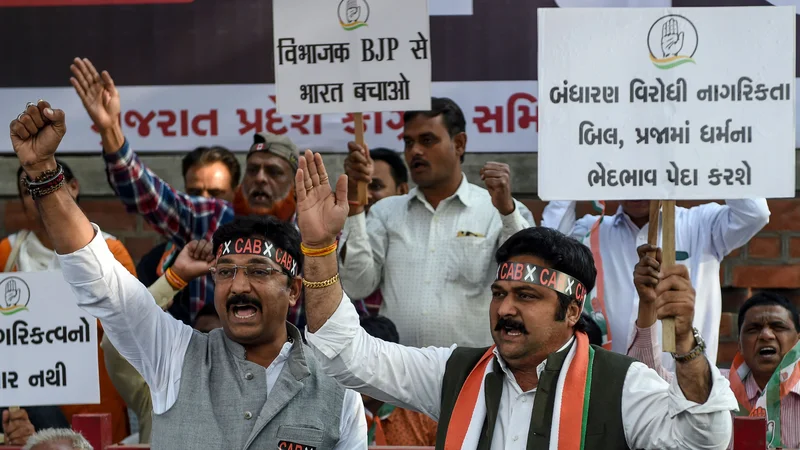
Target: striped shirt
(177, 216)
(645, 346)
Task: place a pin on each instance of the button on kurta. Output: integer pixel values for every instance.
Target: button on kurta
(248, 376)
(248, 415)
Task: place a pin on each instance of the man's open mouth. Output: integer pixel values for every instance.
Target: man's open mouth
(768, 351)
(244, 311)
(259, 196)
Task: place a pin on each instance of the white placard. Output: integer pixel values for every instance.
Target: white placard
(351, 55)
(693, 103)
(48, 344)
(450, 7)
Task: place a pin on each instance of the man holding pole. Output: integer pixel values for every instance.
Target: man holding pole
(429, 251)
(765, 374)
(704, 235)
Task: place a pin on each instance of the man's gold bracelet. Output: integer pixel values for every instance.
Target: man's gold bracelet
(321, 284)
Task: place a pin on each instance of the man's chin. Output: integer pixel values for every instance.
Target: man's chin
(243, 334)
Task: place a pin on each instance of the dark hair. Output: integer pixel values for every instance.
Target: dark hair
(590, 327)
(207, 310)
(68, 175)
(451, 113)
(558, 251)
(282, 234)
(766, 298)
(380, 327)
(395, 162)
(203, 156)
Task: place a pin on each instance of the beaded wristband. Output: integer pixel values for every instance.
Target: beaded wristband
(321, 284)
(47, 187)
(44, 177)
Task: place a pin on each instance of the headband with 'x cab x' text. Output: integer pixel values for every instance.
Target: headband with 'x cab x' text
(542, 276)
(259, 247)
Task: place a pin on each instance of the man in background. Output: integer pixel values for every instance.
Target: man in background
(266, 188)
(704, 235)
(430, 251)
(389, 178)
(208, 172)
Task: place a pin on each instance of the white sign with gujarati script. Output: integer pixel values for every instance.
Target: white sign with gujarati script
(48, 344)
(351, 55)
(692, 103)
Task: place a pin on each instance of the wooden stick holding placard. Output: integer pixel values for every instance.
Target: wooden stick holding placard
(668, 248)
(358, 124)
(667, 261)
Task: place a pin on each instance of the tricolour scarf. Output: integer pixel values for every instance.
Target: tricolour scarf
(570, 411)
(785, 377)
(595, 306)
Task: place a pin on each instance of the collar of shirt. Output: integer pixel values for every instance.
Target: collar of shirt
(462, 193)
(621, 218)
(539, 369)
(754, 392)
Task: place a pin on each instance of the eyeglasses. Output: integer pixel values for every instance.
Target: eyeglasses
(254, 272)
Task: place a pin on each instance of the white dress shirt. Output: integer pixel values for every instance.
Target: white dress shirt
(435, 283)
(707, 233)
(154, 342)
(655, 414)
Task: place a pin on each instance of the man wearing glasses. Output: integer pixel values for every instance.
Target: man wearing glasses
(252, 383)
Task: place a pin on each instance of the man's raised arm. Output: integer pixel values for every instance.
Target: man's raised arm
(35, 136)
(145, 335)
(402, 376)
(174, 214)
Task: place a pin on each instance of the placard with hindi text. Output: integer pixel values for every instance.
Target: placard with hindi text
(351, 55)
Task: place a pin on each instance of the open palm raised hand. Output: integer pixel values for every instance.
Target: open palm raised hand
(321, 212)
(97, 92)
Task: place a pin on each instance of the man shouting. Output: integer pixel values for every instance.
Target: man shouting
(542, 385)
(252, 383)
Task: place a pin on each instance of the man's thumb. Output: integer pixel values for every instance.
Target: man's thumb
(58, 120)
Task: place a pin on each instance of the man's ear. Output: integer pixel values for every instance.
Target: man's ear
(460, 144)
(295, 289)
(74, 188)
(573, 314)
(402, 189)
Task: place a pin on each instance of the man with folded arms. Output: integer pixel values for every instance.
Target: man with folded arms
(253, 383)
(542, 385)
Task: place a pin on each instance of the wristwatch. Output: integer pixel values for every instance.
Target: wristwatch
(698, 350)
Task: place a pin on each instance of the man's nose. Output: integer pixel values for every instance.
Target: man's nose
(240, 284)
(767, 334)
(508, 307)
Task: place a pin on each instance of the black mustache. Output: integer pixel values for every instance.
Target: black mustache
(241, 300)
(420, 160)
(511, 324)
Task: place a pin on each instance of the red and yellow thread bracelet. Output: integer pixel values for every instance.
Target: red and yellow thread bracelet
(174, 280)
(318, 252)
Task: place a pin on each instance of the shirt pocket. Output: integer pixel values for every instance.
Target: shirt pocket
(306, 436)
(470, 260)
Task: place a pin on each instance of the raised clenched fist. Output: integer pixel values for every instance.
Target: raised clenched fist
(35, 136)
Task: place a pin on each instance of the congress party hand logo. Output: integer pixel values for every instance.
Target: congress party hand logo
(672, 41)
(353, 14)
(16, 295)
